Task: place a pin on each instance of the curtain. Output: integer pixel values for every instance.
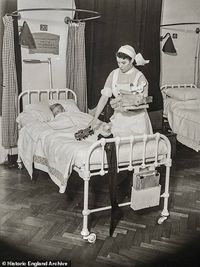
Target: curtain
(5, 7)
(1, 41)
(197, 64)
(10, 91)
(18, 57)
(133, 22)
(76, 63)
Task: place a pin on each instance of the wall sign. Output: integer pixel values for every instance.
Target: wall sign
(44, 27)
(46, 43)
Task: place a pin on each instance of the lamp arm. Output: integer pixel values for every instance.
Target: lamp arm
(163, 37)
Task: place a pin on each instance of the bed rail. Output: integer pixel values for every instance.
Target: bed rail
(130, 165)
(49, 95)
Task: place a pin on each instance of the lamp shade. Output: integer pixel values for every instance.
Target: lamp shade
(168, 47)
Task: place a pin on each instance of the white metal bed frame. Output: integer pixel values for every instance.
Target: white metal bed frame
(130, 165)
(177, 85)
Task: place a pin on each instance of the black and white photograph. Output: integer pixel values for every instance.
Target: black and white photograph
(100, 133)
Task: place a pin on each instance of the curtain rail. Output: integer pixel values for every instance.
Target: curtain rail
(96, 14)
(178, 30)
(181, 23)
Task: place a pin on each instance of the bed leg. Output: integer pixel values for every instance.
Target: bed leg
(19, 162)
(85, 211)
(165, 195)
(91, 237)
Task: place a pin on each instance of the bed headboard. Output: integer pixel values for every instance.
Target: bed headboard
(43, 95)
(165, 87)
(178, 85)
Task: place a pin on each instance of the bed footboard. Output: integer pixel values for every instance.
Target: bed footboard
(131, 165)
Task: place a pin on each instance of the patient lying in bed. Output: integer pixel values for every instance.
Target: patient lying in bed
(81, 134)
(66, 121)
(56, 109)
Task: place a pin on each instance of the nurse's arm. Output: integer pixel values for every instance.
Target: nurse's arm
(146, 87)
(101, 104)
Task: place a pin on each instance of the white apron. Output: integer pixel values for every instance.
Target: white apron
(127, 123)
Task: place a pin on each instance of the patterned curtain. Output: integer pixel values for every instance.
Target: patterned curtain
(76, 63)
(10, 91)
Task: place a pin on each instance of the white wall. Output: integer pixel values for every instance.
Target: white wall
(180, 68)
(175, 11)
(36, 76)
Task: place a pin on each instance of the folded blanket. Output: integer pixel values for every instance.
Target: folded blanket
(134, 100)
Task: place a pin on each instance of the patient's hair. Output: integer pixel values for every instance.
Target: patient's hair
(56, 109)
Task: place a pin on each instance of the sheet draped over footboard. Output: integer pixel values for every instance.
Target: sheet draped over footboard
(52, 146)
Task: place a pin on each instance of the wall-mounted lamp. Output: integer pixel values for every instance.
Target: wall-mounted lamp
(168, 47)
(36, 61)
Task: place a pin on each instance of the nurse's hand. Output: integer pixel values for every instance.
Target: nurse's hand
(116, 102)
(93, 123)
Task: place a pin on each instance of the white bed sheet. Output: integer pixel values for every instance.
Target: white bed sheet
(53, 148)
(184, 120)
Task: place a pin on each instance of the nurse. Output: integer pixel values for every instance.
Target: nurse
(125, 77)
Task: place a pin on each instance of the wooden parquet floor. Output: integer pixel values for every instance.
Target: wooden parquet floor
(37, 220)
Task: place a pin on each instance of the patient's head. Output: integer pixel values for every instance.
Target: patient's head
(56, 109)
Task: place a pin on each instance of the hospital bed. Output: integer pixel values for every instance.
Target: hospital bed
(49, 143)
(182, 112)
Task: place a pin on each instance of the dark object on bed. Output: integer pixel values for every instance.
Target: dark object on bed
(84, 133)
(107, 112)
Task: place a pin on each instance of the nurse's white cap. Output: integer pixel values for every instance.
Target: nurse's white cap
(130, 51)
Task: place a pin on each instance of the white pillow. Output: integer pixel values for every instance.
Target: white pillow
(68, 104)
(25, 118)
(40, 111)
(183, 94)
